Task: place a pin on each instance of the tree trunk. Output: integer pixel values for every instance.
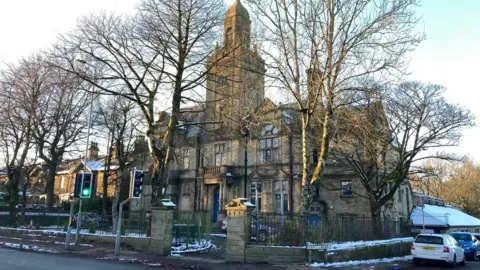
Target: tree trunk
(376, 221)
(105, 179)
(13, 189)
(52, 167)
(24, 200)
(158, 183)
(116, 198)
(306, 191)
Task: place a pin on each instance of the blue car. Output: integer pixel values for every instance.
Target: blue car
(469, 243)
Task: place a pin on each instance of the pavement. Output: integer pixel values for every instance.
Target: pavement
(11, 259)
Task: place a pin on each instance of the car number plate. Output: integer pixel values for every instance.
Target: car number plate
(428, 248)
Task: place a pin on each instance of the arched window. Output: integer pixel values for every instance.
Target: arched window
(268, 144)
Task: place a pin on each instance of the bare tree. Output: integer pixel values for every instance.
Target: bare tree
(431, 177)
(455, 182)
(157, 54)
(383, 144)
(119, 119)
(26, 181)
(319, 51)
(59, 121)
(21, 86)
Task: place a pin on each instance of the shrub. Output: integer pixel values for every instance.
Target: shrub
(91, 228)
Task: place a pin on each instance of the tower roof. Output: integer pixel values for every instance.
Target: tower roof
(237, 9)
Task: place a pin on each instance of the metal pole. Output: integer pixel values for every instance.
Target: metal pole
(256, 198)
(282, 204)
(85, 163)
(119, 225)
(69, 228)
(257, 213)
(290, 165)
(423, 216)
(79, 220)
(245, 177)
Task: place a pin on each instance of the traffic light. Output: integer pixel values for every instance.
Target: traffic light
(78, 184)
(86, 187)
(136, 189)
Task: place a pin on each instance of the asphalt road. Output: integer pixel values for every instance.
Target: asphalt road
(19, 260)
(409, 265)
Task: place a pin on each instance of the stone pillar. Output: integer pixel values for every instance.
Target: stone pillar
(161, 233)
(238, 230)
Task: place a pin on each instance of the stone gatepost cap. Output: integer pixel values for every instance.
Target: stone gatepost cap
(238, 206)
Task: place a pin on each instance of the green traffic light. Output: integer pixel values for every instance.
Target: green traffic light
(86, 192)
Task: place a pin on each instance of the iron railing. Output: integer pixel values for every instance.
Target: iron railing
(300, 231)
(191, 227)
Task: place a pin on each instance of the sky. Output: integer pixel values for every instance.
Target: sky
(449, 56)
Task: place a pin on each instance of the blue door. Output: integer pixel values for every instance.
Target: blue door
(216, 207)
(315, 221)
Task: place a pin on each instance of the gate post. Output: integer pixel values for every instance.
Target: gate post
(161, 231)
(238, 230)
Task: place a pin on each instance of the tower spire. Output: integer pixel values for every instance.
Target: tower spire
(237, 26)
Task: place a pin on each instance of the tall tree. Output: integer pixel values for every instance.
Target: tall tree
(431, 176)
(455, 182)
(157, 54)
(384, 144)
(119, 119)
(21, 86)
(59, 121)
(318, 52)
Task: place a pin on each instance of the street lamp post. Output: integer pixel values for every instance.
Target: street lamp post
(85, 159)
(246, 132)
(245, 177)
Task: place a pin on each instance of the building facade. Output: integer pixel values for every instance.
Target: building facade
(241, 144)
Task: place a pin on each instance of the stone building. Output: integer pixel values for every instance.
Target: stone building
(240, 141)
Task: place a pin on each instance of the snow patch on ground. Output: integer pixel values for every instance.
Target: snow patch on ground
(359, 244)
(218, 235)
(176, 255)
(59, 231)
(356, 263)
(195, 247)
(25, 247)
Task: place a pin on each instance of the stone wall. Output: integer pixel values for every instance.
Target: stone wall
(139, 244)
(365, 253)
(275, 255)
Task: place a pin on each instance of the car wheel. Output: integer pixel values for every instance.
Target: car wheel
(474, 256)
(416, 261)
(454, 262)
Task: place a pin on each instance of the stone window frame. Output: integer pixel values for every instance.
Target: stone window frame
(185, 158)
(278, 194)
(268, 145)
(219, 156)
(345, 192)
(260, 194)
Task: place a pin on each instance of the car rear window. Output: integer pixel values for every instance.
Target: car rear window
(462, 236)
(426, 239)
